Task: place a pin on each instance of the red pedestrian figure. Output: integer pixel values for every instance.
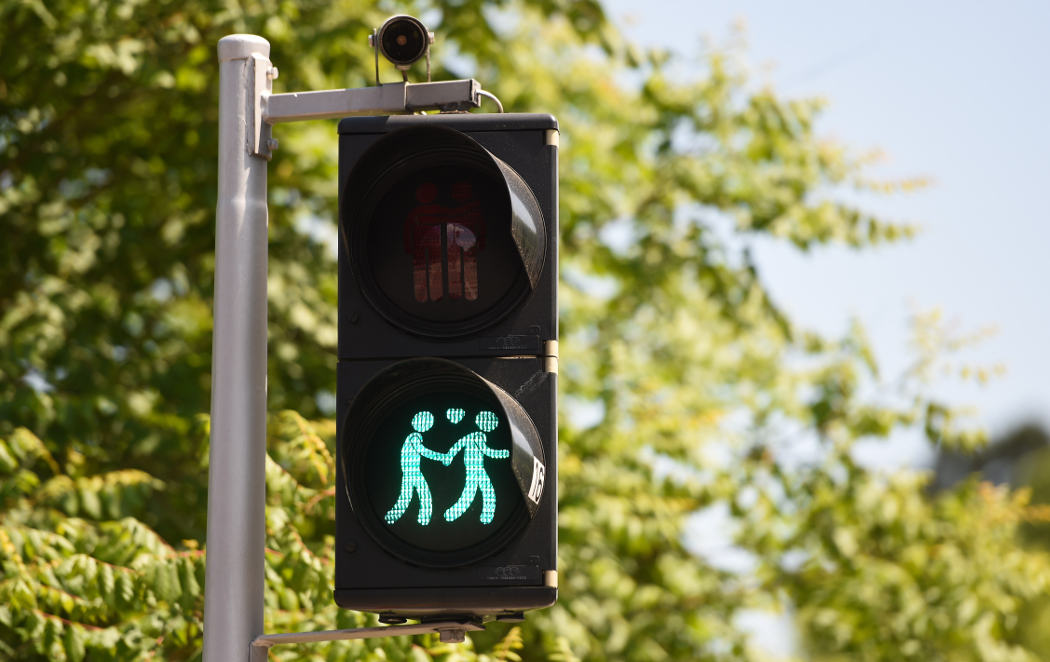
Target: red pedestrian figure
(422, 239)
(465, 236)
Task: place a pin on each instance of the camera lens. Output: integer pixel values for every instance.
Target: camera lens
(403, 40)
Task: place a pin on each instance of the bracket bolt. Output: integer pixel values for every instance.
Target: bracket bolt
(272, 144)
(272, 73)
(452, 635)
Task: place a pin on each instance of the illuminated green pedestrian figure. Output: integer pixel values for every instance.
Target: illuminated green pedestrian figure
(412, 480)
(474, 451)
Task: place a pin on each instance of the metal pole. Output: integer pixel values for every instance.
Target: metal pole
(233, 590)
(236, 536)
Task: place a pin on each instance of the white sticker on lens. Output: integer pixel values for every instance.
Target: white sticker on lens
(538, 470)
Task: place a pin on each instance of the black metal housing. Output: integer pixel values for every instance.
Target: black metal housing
(509, 350)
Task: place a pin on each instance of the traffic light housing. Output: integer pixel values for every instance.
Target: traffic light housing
(447, 373)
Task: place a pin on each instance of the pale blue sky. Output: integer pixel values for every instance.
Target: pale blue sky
(958, 92)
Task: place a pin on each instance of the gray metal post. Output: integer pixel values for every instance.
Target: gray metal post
(233, 590)
(236, 536)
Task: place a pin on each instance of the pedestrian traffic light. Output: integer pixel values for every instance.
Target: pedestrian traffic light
(447, 424)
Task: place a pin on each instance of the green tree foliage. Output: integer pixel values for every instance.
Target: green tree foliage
(1019, 458)
(82, 578)
(686, 389)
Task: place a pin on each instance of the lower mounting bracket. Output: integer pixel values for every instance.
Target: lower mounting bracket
(449, 631)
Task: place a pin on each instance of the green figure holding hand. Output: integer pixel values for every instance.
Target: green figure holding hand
(412, 480)
(474, 452)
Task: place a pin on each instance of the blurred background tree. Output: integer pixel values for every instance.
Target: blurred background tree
(1019, 459)
(686, 390)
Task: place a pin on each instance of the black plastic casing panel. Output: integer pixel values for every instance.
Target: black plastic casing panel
(520, 141)
(513, 354)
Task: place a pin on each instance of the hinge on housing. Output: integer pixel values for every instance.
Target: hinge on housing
(550, 358)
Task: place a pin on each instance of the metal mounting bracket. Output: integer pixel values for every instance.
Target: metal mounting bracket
(449, 631)
(261, 73)
(390, 99)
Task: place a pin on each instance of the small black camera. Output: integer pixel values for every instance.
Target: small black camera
(403, 40)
